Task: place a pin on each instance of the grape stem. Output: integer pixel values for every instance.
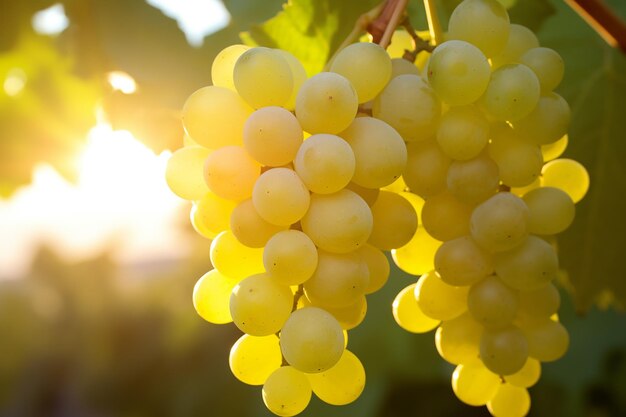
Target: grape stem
(601, 18)
(296, 297)
(419, 44)
(436, 34)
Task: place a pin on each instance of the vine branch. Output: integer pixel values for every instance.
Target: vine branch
(601, 18)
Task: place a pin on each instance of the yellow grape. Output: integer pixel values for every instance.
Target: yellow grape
(341, 384)
(519, 162)
(223, 65)
(548, 340)
(249, 227)
(234, 259)
(527, 376)
(290, 257)
(504, 351)
(555, 149)
(458, 340)
(509, 401)
(400, 66)
(500, 223)
(211, 297)
(351, 315)
(299, 76)
(551, 210)
(474, 384)
(439, 300)
(231, 173)
(490, 35)
(529, 266)
(512, 93)
(280, 197)
(540, 303)
(408, 314)
(426, 169)
(547, 123)
(287, 392)
(395, 221)
(183, 172)
(446, 218)
(378, 267)
(462, 262)
(463, 132)
(547, 64)
(568, 175)
(520, 40)
(492, 303)
(211, 215)
(473, 181)
(368, 194)
(416, 257)
(253, 359)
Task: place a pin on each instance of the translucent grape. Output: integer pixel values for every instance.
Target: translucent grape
(224, 64)
(410, 106)
(491, 35)
(547, 123)
(211, 297)
(368, 194)
(492, 303)
(183, 172)
(379, 152)
(509, 401)
(555, 149)
(547, 64)
(326, 103)
(474, 384)
(504, 351)
(458, 340)
(512, 93)
(340, 222)
(325, 163)
(312, 340)
(519, 162)
(351, 315)
(287, 392)
(548, 340)
(262, 77)
(463, 132)
(260, 306)
(519, 41)
(551, 210)
(234, 259)
(568, 175)
(426, 169)
(351, 61)
(439, 300)
(280, 197)
(253, 359)
(445, 218)
(458, 72)
(211, 215)
(540, 303)
(527, 376)
(214, 117)
(400, 66)
(462, 262)
(290, 257)
(529, 266)
(500, 223)
(378, 267)
(473, 181)
(299, 77)
(231, 173)
(272, 136)
(341, 384)
(416, 257)
(408, 314)
(395, 221)
(249, 227)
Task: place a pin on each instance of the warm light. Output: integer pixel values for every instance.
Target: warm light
(14, 82)
(121, 81)
(50, 21)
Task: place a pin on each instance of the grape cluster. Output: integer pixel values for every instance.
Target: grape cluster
(303, 182)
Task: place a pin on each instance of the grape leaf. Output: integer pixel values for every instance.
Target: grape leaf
(591, 250)
(310, 29)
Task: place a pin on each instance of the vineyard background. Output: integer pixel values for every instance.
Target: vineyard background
(98, 333)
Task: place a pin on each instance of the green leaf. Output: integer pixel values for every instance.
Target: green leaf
(591, 250)
(310, 29)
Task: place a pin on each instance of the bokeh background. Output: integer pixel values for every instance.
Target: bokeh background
(98, 260)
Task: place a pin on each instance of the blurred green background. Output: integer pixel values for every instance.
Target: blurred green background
(98, 261)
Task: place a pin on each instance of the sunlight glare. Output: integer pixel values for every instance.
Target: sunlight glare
(50, 21)
(121, 81)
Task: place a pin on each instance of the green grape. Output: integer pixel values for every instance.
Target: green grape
(463, 132)
(410, 106)
(567, 175)
(224, 64)
(380, 153)
(253, 359)
(446, 218)
(509, 401)
(551, 210)
(484, 23)
(231, 173)
(458, 340)
(287, 392)
(312, 340)
(211, 215)
(426, 169)
(408, 314)
(473, 181)
(183, 172)
(263, 77)
(272, 136)
(249, 227)
(504, 351)
(260, 306)
(211, 297)
(340, 222)
(439, 300)
(341, 384)
(519, 162)
(540, 303)
(298, 74)
(462, 262)
(547, 123)
(474, 384)
(519, 41)
(214, 117)
(351, 61)
(368, 194)
(280, 197)
(548, 340)
(351, 315)
(492, 303)
(234, 259)
(527, 376)
(378, 267)
(325, 163)
(547, 64)
(512, 93)
(326, 103)
(400, 66)
(416, 257)
(395, 221)
(458, 72)
(555, 149)
(339, 280)
(529, 266)
(290, 257)
(500, 223)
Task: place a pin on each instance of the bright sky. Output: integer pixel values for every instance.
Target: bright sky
(121, 200)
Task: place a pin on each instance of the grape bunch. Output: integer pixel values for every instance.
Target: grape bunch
(450, 162)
